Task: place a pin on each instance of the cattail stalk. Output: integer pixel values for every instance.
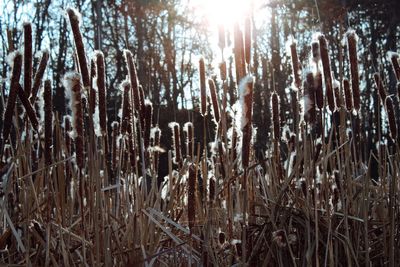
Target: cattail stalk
(323, 46)
(27, 58)
(12, 96)
(73, 83)
(37, 80)
(214, 100)
(192, 197)
(176, 140)
(48, 122)
(246, 91)
(355, 81)
(348, 95)
(74, 19)
(295, 65)
(391, 118)
(203, 94)
(133, 79)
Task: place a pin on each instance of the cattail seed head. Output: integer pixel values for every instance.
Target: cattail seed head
(295, 65)
(27, 58)
(92, 92)
(115, 144)
(391, 118)
(222, 68)
(48, 122)
(247, 39)
(72, 82)
(189, 140)
(380, 87)
(203, 95)
(126, 119)
(133, 79)
(338, 98)
(28, 108)
(148, 122)
(214, 100)
(16, 63)
(394, 58)
(355, 81)
(246, 95)
(275, 115)
(37, 80)
(315, 52)
(309, 98)
(319, 94)
(326, 66)
(101, 89)
(348, 95)
(176, 140)
(74, 19)
(239, 53)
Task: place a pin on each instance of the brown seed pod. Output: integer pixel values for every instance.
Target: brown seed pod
(92, 92)
(133, 79)
(276, 115)
(326, 66)
(192, 197)
(309, 98)
(148, 123)
(214, 100)
(203, 94)
(126, 120)
(27, 58)
(394, 58)
(74, 19)
(115, 145)
(319, 95)
(348, 95)
(48, 122)
(355, 81)
(380, 87)
(295, 65)
(189, 134)
(72, 82)
(315, 52)
(222, 68)
(37, 80)
(391, 118)
(239, 53)
(338, 98)
(247, 39)
(176, 140)
(16, 58)
(246, 91)
(101, 89)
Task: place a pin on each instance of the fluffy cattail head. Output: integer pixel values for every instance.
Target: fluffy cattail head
(203, 94)
(101, 89)
(295, 64)
(348, 95)
(391, 118)
(338, 97)
(246, 96)
(319, 95)
(326, 66)
(355, 81)
(189, 134)
(315, 51)
(214, 100)
(176, 140)
(126, 107)
(309, 98)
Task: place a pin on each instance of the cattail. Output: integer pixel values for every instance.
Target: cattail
(28, 107)
(221, 37)
(309, 98)
(27, 58)
(319, 95)
(394, 58)
(133, 79)
(247, 39)
(92, 92)
(211, 189)
(75, 19)
(37, 80)
(16, 64)
(48, 122)
(246, 93)
(72, 82)
(348, 95)
(189, 134)
(380, 87)
(276, 115)
(67, 129)
(240, 62)
(126, 119)
(115, 152)
(222, 68)
(221, 238)
(176, 140)
(323, 46)
(214, 100)
(295, 64)
(147, 123)
(398, 90)
(315, 52)
(336, 90)
(142, 108)
(155, 135)
(192, 196)
(355, 81)
(101, 89)
(391, 118)
(203, 95)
